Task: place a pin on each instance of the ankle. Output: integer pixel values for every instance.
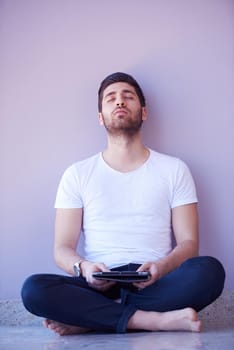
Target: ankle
(140, 320)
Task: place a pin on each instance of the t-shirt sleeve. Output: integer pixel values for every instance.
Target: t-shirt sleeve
(184, 190)
(68, 193)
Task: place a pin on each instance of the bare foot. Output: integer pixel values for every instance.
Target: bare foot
(185, 320)
(178, 320)
(63, 329)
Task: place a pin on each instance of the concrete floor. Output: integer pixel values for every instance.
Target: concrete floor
(39, 338)
(20, 330)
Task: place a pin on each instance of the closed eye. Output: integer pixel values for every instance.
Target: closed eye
(110, 99)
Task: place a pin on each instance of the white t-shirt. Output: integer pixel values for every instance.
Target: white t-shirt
(126, 216)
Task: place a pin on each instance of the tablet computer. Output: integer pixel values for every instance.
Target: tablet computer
(122, 276)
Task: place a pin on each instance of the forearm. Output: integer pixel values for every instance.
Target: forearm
(183, 251)
(67, 235)
(185, 228)
(65, 258)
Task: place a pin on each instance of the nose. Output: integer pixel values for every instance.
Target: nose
(120, 101)
(120, 104)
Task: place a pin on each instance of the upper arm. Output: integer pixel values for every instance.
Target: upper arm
(67, 227)
(185, 223)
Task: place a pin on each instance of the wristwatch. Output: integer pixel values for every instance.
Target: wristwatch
(76, 267)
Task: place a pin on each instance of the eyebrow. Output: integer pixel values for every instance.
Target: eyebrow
(124, 91)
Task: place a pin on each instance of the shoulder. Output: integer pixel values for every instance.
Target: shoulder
(79, 170)
(83, 165)
(165, 160)
(169, 167)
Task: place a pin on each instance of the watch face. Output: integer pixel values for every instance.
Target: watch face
(76, 269)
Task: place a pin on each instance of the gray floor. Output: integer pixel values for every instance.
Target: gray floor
(38, 338)
(20, 330)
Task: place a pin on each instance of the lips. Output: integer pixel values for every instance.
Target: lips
(120, 111)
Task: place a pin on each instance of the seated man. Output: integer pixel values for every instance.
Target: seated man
(126, 201)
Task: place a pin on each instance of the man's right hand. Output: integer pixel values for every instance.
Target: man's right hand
(88, 268)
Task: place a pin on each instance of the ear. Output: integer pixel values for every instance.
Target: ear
(144, 113)
(100, 118)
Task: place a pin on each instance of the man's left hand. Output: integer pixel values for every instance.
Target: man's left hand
(155, 271)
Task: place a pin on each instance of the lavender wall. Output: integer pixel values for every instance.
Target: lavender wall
(54, 55)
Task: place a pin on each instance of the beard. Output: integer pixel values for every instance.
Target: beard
(123, 125)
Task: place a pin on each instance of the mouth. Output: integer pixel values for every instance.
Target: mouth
(120, 111)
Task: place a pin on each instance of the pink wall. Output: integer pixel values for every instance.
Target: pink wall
(54, 55)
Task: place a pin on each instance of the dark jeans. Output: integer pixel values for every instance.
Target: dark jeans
(196, 283)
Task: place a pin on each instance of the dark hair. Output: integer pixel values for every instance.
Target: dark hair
(116, 78)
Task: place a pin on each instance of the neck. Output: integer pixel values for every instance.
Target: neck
(125, 154)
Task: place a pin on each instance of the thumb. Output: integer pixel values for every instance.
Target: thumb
(103, 267)
(144, 267)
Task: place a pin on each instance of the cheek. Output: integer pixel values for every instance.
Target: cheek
(106, 112)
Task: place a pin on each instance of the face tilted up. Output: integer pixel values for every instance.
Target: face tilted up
(121, 110)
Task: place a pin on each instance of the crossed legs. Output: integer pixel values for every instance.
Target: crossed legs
(70, 306)
(185, 319)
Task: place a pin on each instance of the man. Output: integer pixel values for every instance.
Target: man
(126, 200)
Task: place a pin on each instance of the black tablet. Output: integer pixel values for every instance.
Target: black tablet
(122, 276)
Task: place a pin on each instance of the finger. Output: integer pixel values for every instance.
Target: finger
(108, 285)
(143, 267)
(139, 285)
(102, 267)
(142, 285)
(97, 282)
(100, 282)
(94, 281)
(104, 286)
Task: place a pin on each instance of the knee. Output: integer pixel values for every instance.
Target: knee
(210, 273)
(215, 269)
(30, 292)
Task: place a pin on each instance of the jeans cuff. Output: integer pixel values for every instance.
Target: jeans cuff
(123, 321)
